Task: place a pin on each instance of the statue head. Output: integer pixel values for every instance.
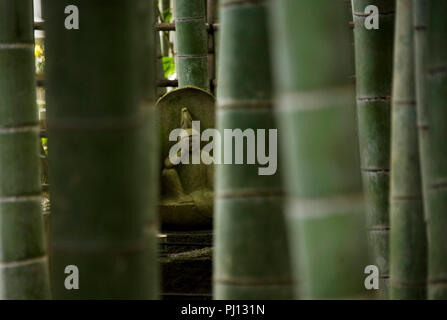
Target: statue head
(186, 125)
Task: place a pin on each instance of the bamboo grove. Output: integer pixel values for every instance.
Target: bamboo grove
(355, 92)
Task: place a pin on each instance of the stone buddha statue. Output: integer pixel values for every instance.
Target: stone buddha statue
(187, 189)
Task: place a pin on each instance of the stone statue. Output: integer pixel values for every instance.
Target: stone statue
(187, 189)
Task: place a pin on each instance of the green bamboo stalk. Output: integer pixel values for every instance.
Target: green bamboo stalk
(251, 253)
(23, 260)
(211, 40)
(160, 71)
(317, 122)
(191, 42)
(408, 242)
(102, 161)
(165, 5)
(374, 65)
(420, 15)
(160, 74)
(420, 25)
(436, 94)
(216, 39)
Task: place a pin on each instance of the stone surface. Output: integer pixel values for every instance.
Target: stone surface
(187, 273)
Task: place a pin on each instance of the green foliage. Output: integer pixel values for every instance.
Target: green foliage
(45, 144)
(167, 15)
(39, 53)
(168, 66)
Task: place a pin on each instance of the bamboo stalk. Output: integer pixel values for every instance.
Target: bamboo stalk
(251, 253)
(420, 15)
(216, 36)
(210, 18)
(160, 70)
(191, 41)
(317, 120)
(165, 45)
(420, 25)
(435, 75)
(408, 242)
(374, 65)
(23, 260)
(103, 156)
(160, 74)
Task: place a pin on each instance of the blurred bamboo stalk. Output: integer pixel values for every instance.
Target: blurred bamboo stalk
(374, 67)
(319, 143)
(435, 75)
(420, 26)
(251, 253)
(103, 152)
(191, 42)
(420, 16)
(408, 253)
(23, 260)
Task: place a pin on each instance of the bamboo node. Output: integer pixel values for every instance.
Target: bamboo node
(13, 264)
(20, 198)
